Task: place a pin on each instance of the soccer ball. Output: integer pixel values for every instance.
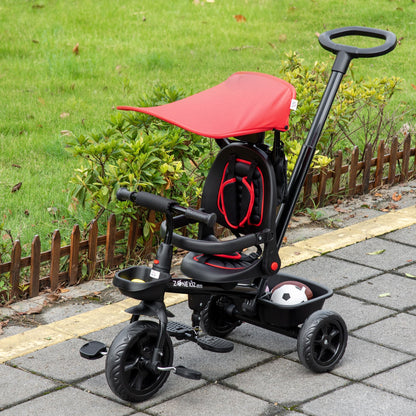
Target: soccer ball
(290, 293)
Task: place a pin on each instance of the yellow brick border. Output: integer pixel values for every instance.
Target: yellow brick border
(75, 326)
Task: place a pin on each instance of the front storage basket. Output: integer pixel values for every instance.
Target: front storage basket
(150, 284)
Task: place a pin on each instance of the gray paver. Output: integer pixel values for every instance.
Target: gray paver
(394, 255)
(360, 400)
(399, 380)
(215, 366)
(334, 273)
(388, 290)
(65, 310)
(395, 332)
(174, 387)
(68, 402)
(60, 362)
(284, 381)
(213, 400)
(264, 339)
(356, 313)
(30, 385)
(406, 235)
(363, 359)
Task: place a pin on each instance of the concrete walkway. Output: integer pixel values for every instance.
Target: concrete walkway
(371, 265)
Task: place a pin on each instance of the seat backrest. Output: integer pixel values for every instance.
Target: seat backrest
(241, 189)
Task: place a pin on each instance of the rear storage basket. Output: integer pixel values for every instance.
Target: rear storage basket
(289, 316)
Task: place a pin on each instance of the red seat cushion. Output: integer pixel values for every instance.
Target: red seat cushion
(245, 103)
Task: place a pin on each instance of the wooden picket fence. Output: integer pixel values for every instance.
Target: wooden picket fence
(359, 177)
(68, 264)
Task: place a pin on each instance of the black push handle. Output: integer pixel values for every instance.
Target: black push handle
(346, 52)
(325, 39)
(161, 204)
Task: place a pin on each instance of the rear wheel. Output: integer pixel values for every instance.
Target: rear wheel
(322, 341)
(216, 319)
(127, 366)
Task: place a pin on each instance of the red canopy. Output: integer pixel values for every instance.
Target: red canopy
(245, 103)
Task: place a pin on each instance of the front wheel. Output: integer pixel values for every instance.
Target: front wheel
(322, 341)
(127, 365)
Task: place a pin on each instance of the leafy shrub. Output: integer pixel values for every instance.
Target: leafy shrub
(140, 152)
(358, 116)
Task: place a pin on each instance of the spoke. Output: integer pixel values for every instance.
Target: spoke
(133, 365)
(335, 332)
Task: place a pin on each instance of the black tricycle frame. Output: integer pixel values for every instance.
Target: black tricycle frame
(241, 302)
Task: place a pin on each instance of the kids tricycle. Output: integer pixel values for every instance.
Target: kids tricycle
(235, 280)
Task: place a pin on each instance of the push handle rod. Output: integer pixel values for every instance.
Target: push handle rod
(344, 55)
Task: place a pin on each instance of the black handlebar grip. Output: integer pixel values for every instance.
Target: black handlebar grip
(200, 216)
(124, 194)
(152, 201)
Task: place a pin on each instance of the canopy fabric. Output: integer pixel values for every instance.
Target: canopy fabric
(245, 103)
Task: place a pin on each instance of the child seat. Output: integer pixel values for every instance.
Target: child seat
(245, 183)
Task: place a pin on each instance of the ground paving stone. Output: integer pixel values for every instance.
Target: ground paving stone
(406, 235)
(356, 313)
(215, 366)
(358, 399)
(387, 290)
(105, 335)
(17, 385)
(68, 402)
(399, 380)
(263, 339)
(214, 400)
(394, 255)
(65, 310)
(396, 332)
(174, 387)
(331, 272)
(284, 381)
(363, 359)
(60, 362)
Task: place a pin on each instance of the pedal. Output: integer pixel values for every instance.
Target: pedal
(93, 350)
(214, 344)
(182, 371)
(180, 331)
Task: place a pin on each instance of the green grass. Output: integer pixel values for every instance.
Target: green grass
(125, 47)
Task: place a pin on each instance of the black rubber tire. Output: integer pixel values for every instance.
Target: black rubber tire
(125, 369)
(214, 319)
(322, 341)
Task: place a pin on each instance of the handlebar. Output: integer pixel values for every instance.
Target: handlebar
(345, 52)
(165, 205)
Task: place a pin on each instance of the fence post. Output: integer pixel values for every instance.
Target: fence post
(55, 259)
(380, 164)
(92, 249)
(392, 161)
(133, 235)
(34, 267)
(74, 255)
(404, 174)
(15, 269)
(110, 242)
(337, 173)
(367, 167)
(322, 186)
(353, 172)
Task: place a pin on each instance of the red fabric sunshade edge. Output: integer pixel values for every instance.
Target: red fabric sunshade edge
(245, 103)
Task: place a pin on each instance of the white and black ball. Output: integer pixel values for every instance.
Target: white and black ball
(290, 293)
